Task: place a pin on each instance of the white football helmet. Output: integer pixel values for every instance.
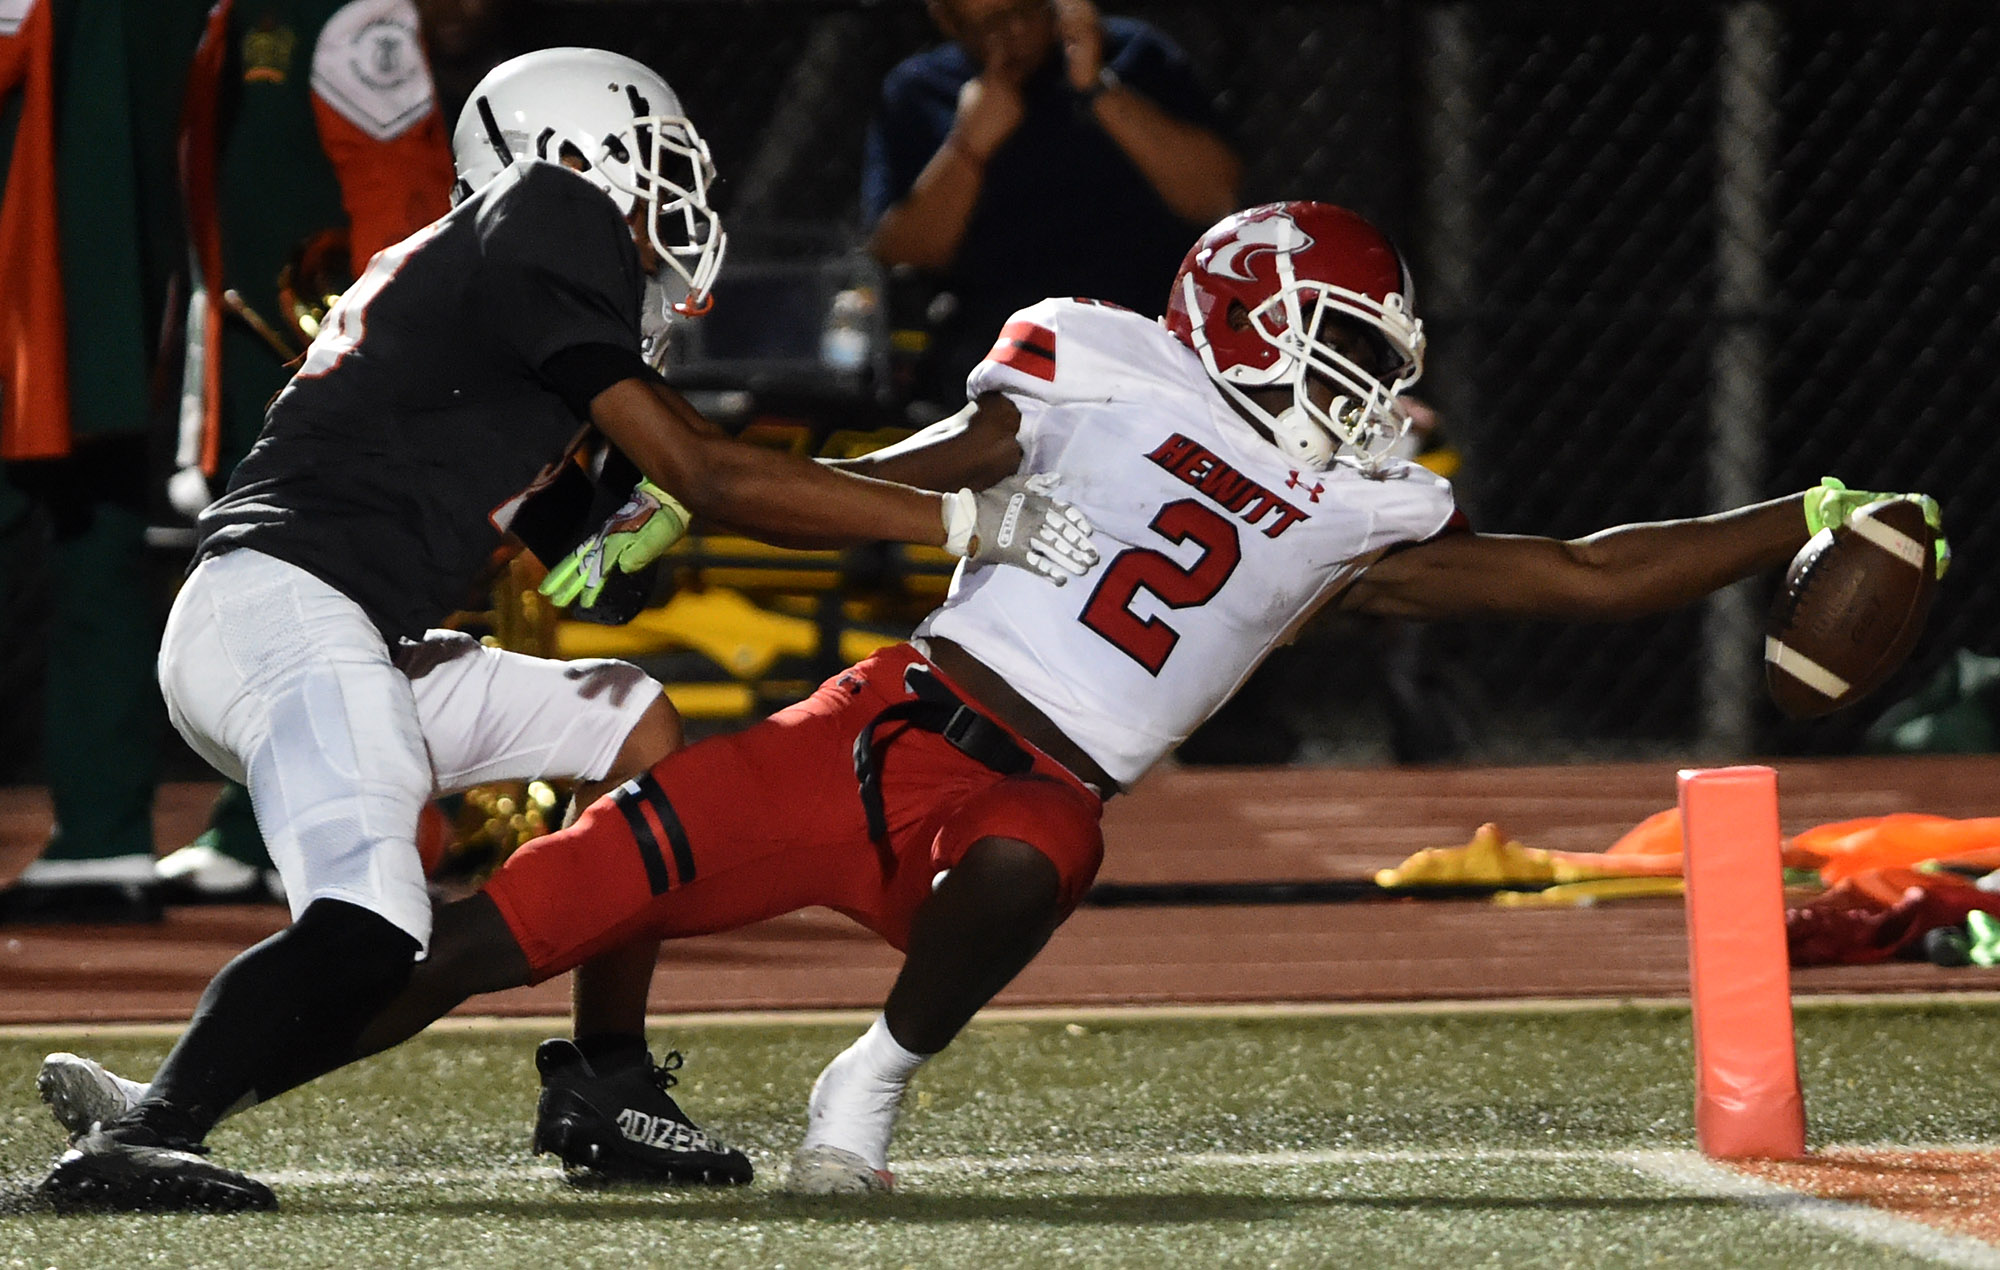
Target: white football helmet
(624, 126)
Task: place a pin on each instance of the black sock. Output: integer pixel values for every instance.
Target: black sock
(614, 1051)
(269, 1020)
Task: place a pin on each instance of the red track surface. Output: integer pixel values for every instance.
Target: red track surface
(1958, 1191)
(1212, 825)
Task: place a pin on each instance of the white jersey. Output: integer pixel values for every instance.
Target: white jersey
(1213, 548)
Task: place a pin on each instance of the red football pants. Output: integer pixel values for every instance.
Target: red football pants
(741, 828)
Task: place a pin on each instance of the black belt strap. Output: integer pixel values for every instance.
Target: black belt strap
(933, 708)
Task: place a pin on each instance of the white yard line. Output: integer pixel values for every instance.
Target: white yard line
(1685, 1171)
(559, 1025)
(1689, 1171)
(941, 1166)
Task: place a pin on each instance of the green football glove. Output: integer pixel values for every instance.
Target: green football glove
(651, 521)
(1829, 506)
(1985, 938)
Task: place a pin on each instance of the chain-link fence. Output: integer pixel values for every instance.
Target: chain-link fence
(1673, 257)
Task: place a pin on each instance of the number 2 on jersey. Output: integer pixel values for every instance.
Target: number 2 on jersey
(1148, 640)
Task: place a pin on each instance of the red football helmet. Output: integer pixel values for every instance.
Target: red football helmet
(1297, 269)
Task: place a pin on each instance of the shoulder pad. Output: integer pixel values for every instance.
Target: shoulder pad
(368, 64)
(543, 212)
(545, 191)
(1070, 350)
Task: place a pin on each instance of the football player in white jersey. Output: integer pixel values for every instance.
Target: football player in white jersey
(1235, 461)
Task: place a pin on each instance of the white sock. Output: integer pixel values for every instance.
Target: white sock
(855, 1100)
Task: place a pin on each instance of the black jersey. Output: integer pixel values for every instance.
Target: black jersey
(426, 410)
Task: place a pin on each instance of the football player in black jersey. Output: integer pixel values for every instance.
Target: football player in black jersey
(456, 379)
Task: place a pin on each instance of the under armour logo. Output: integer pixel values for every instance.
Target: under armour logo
(1312, 494)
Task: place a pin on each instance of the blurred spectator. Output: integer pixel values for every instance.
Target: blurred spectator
(302, 117)
(464, 39)
(89, 240)
(1043, 151)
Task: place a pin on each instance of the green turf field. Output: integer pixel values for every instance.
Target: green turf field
(1544, 1137)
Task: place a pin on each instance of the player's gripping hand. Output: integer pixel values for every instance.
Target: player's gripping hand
(1832, 503)
(651, 521)
(1017, 522)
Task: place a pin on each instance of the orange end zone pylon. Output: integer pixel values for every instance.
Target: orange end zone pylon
(1748, 1104)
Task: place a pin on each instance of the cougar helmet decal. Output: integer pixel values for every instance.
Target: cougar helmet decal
(1310, 297)
(620, 126)
(1273, 233)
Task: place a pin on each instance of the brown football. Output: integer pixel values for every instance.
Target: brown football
(1851, 607)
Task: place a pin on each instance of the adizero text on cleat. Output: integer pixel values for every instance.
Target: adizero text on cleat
(832, 1171)
(130, 1172)
(81, 1094)
(622, 1124)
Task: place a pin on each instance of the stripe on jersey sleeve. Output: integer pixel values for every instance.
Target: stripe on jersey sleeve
(1026, 347)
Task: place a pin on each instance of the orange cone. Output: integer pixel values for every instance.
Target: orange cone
(1748, 1104)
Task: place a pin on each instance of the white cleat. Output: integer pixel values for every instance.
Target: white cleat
(832, 1171)
(199, 874)
(81, 1094)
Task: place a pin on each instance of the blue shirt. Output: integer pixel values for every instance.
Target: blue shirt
(1063, 211)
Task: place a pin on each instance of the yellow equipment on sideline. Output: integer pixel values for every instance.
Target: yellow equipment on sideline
(819, 607)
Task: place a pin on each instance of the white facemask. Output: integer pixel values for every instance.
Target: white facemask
(664, 288)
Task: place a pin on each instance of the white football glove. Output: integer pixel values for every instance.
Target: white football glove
(1017, 522)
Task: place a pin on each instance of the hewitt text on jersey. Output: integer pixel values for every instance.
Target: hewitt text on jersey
(1228, 488)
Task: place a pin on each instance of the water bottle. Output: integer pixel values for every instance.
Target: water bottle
(844, 344)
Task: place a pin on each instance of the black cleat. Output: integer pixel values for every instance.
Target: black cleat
(132, 1169)
(622, 1125)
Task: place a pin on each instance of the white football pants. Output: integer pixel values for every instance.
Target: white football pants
(282, 682)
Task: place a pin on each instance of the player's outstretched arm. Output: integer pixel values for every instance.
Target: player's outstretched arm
(769, 494)
(751, 487)
(1619, 573)
(974, 448)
